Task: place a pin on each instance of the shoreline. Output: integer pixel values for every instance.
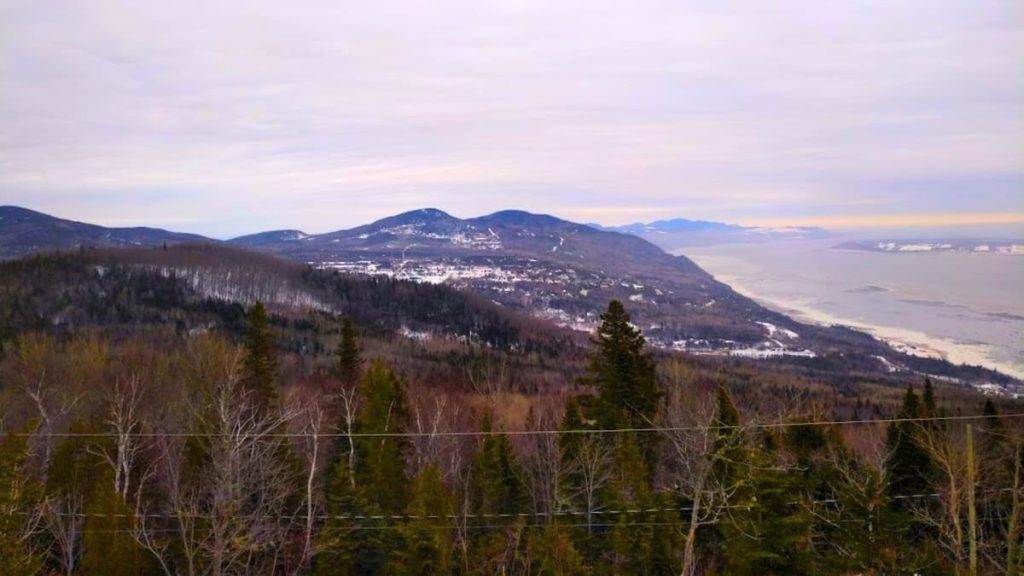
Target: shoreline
(913, 342)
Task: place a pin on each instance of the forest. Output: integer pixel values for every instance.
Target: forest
(213, 453)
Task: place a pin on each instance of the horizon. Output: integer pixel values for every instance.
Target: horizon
(206, 118)
(926, 226)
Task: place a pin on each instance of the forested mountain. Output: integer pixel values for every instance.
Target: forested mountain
(540, 266)
(24, 231)
(202, 286)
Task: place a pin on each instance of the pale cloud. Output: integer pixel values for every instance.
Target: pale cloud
(225, 118)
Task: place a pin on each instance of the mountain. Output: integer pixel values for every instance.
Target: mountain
(677, 233)
(24, 231)
(553, 269)
(528, 265)
(937, 246)
(196, 287)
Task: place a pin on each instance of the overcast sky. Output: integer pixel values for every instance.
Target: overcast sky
(230, 118)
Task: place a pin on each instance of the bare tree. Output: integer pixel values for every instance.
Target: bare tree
(697, 448)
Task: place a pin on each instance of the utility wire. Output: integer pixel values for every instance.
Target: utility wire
(476, 433)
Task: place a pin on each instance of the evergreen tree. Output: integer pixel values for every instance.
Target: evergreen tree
(729, 450)
(426, 545)
(908, 469)
(259, 365)
(18, 493)
(380, 461)
(623, 372)
(344, 547)
(109, 547)
(929, 407)
(349, 359)
(552, 553)
(995, 456)
(497, 496)
(496, 484)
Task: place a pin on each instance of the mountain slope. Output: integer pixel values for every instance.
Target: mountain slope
(567, 272)
(201, 286)
(512, 263)
(24, 231)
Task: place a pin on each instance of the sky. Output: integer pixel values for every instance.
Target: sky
(228, 118)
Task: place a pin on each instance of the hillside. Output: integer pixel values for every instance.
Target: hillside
(538, 269)
(566, 272)
(24, 231)
(204, 287)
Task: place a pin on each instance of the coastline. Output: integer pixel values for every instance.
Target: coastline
(911, 342)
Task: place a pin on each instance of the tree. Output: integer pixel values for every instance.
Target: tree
(259, 365)
(623, 372)
(552, 553)
(380, 460)
(349, 360)
(497, 496)
(426, 542)
(908, 469)
(343, 548)
(19, 496)
(109, 546)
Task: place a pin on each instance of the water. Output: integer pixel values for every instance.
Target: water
(967, 308)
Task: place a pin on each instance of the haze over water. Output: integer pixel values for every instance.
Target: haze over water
(965, 307)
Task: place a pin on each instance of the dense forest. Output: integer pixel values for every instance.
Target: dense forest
(217, 453)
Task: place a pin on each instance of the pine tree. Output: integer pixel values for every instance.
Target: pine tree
(349, 360)
(109, 548)
(623, 372)
(553, 554)
(259, 365)
(344, 547)
(496, 484)
(929, 408)
(380, 461)
(497, 496)
(908, 469)
(17, 495)
(426, 543)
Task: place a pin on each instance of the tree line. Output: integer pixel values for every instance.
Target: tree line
(199, 459)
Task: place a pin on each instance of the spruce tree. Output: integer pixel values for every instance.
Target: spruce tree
(348, 543)
(553, 553)
(908, 469)
(497, 482)
(18, 493)
(426, 547)
(623, 372)
(349, 360)
(497, 496)
(380, 461)
(109, 547)
(259, 365)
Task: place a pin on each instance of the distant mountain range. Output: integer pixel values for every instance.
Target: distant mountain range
(678, 233)
(24, 231)
(537, 265)
(937, 246)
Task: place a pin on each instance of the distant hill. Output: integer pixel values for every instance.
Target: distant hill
(515, 263)
(196, 287)
(937, 246)
(678, 233)
(24, 231)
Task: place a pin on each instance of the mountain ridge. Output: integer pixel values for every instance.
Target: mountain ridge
(566, 272)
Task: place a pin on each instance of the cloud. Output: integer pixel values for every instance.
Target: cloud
(225, 118)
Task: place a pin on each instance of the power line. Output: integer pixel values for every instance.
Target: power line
(478, 433)
(628, 511)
